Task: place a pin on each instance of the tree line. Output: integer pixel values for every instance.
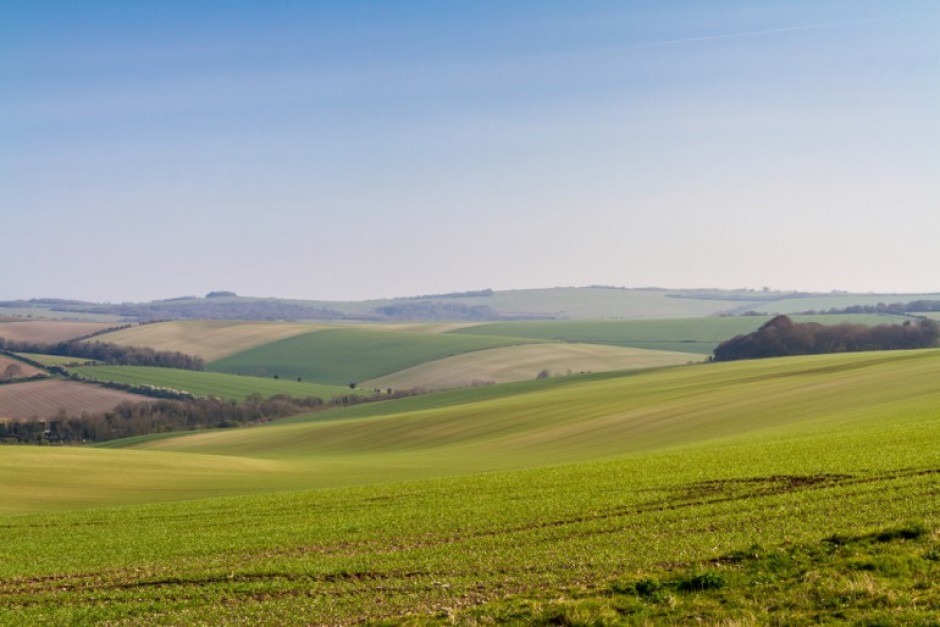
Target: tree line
(108, 353)
(164, 416)
(898, 309)
(781, 336)
(161, 416)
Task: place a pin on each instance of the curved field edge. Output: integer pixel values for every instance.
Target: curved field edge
(49, 331)
(517, 363)
(46, 398)
(445, 549)
(619, 415)
(209, 339)
(345, 355)
(227, 386)
(583, 421)
(692, 335)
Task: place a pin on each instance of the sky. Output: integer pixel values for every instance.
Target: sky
(353, 150)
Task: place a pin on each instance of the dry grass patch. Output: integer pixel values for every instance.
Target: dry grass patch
(209, 339)
(518, 363)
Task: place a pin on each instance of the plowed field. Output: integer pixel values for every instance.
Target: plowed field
(49, 330)
(25, 369)
(43, 399)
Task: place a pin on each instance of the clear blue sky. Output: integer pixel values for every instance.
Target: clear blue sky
(347, 150)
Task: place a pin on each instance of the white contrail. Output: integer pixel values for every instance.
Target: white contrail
(773, 31)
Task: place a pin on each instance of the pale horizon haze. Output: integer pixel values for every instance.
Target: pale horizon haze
(356, 150)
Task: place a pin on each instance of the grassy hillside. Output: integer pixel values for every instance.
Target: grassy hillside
(561, 302)
(690, 335)
(56, 360)
(209, 383)
(341, 356)
(209, 339)
(593, 419)
(814, 502)
(592, 303)
(517, 363)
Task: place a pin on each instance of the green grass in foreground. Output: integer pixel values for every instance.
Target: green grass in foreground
(767, 491)
(618, 540)
(687, 335)
(342, 356)
(228, 386)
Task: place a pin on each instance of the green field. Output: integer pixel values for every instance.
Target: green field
(209, 339)
(348, 355)
(799, 490)
(226, 386)
(687, 335)
(55, 360)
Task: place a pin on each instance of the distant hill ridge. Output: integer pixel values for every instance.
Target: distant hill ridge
(584, 303)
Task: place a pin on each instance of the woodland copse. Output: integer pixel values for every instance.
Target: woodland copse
(782, 337)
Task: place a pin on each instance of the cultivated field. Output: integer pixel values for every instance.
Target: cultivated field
(228, 386)
(352, 355)
(408, 327)
(25, 370)
(44, 399)
(56, 360)
(517, 363)
(209, 339)
(49, 330)
(796, 490)
(690, 335)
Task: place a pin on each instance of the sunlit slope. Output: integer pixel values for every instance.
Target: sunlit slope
(517, 363)
(347, 355)
(209, 339)
(689, 335)
(228, 386)
(708, 404)
(610, 417)
(432, 547)
(58, 478)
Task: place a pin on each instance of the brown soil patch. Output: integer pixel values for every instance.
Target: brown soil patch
(25, 370)
(43, 399)
(49, 330)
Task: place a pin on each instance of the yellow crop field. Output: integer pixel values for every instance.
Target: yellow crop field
(526, 361)
(209, 339)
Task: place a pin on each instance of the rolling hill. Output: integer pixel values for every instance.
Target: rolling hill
(798, 489)
(690, 335)
(209, 339)
(528, 361)
(578, 303)
(352, 355)
(228, 386)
